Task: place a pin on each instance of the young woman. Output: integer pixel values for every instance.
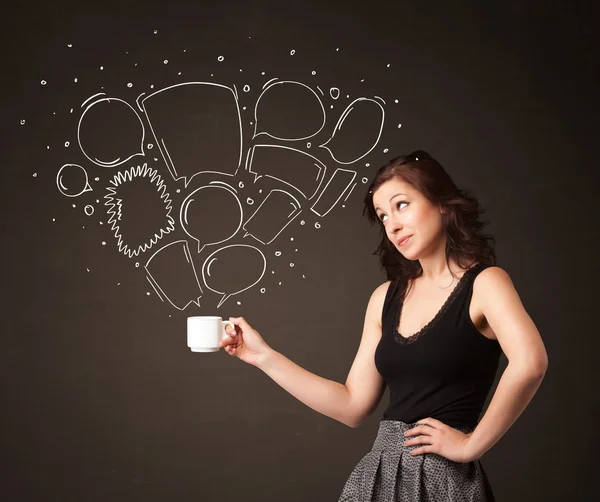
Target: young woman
(433, 333)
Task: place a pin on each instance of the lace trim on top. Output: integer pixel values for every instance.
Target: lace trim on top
(410, 339)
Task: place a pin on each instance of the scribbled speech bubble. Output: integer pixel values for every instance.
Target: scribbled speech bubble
(211, 214)
(357, 132)
(275, 213)
(110, 132)
(72, 180)
(233, 269)
(281, 100)
(172, 274)
(196, 125)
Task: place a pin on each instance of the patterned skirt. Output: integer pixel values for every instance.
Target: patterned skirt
(389, 473)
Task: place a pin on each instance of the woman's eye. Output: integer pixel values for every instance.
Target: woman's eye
(397, 205)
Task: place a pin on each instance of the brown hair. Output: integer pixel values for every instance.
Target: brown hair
(460, 221)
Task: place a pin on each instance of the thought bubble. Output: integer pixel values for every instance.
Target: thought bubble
(362, 123)
(110, 132)
(72, 180)
(281, 100)
(211, 214)
(233, 269)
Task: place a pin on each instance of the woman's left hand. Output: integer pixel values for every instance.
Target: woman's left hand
(439, 438)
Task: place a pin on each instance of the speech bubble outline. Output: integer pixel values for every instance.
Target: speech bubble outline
(118, 161)
(63, 189)
(340, 122)
(163, 148)
(209, 261)
(269, 85)
(189, 199)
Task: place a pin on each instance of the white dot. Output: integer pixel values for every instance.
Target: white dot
(314, 72)
(179, 73)
(246, 88)
(292, 52)
(137, 263)
(74, 205)
(35, 175)
(308, 145)
(69, 45)
(368, 165)
(337, 49)
(166, 61)
(277, 253)
(148, 293)
(102, 68)
(155, 32)
(43, 82)
(67, 143)
(150, 146)
(388, 65)
(220, 58)
(96, 179)
(104, 243)
(22, 121)
(262, 73)
(395, 100)
(53, 219)
(129, 84)
(399, 126)
(75, 79)
(385, 150)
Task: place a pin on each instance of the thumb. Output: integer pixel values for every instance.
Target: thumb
(240, 321)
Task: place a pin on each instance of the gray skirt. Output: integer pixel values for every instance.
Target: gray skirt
(389, 473)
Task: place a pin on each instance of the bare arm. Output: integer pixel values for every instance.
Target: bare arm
(524, 349)
(350, 403)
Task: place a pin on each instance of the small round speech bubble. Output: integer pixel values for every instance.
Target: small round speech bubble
(72, 180)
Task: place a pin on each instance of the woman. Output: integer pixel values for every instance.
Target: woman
(433, 333)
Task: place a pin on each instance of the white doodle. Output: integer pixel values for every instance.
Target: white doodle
(377, 116)
(120, 112)
(271, 121)
(230, 266)
(201, 203)
(295, 168)
(275, 213)
(114, 203)
(200, 136)
(172, 275)
(72, 180)
(333, 191)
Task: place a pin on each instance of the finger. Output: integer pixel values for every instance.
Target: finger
(241, 322)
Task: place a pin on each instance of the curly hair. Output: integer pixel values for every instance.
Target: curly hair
(460, 220)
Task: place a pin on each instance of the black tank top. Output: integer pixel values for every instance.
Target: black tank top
(445, 370)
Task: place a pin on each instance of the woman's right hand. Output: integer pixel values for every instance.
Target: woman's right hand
(244, 342)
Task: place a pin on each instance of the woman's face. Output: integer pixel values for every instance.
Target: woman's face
(404, 211)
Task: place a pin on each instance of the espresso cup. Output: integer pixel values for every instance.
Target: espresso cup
(204, 333)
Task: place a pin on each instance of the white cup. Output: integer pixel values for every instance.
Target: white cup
(204, 333)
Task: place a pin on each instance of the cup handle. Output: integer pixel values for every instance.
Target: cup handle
(225, 323)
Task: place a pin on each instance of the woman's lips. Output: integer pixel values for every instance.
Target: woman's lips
(404, 240)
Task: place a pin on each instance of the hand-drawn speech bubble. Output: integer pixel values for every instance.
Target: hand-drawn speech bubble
(281, 100)
(211, 214)
(196, 125)
(275, 213)
(172, 274)
(295, 168)
(72, 180)
(233, 269)
(110, 131)
(362, 123)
